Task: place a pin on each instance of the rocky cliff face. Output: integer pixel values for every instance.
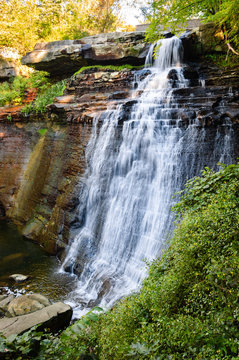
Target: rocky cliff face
(42, 163)
(40, 166)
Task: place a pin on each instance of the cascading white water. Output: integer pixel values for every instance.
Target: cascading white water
(132, 173)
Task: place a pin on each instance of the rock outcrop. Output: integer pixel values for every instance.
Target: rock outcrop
(10, 65)
(206, 38)
(68, 56)
(26, 304)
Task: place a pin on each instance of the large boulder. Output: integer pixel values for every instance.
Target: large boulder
(27, 304)
(67, 56)
(53, 317)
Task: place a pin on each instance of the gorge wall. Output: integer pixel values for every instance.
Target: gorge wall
(42, 160)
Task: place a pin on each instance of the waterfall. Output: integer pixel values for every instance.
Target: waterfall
(134, 166)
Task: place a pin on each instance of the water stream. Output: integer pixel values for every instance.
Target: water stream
(18, 255)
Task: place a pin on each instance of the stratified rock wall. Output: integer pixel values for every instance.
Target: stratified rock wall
(39, 178)
(42, 163)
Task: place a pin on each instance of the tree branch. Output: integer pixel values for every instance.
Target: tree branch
(232, 49)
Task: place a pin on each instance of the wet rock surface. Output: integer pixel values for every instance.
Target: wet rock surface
(18, 278)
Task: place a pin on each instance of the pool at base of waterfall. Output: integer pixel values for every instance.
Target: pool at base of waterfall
(20, 256)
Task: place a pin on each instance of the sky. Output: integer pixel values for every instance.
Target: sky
(131, 13)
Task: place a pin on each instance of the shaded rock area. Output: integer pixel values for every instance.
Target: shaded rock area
(67, 56)
(39, 178)
(22, 313)
(204, 39)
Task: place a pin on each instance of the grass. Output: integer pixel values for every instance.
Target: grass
(108, 67)
(221, 60)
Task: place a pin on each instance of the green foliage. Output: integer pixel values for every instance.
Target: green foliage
(13, 92)
(24, 23)
(188, 305)
(108, 67)
(42, 132)
(25, 346)
(45, 98)
(173, 15)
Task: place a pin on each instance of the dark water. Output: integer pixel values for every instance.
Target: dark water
(18, 255)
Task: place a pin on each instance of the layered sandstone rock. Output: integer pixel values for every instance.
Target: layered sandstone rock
(41, 172)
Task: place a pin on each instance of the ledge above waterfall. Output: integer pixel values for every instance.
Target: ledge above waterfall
(67, 56)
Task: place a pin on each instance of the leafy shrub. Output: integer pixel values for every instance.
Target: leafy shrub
(13, 92)
(45, 98)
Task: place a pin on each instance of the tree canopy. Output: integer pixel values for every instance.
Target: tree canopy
(25, 22)
(174, 14)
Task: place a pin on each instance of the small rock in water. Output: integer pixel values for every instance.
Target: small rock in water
(19, 277)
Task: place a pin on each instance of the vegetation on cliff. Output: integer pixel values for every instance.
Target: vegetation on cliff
(15, 91)
(45, 98)
(188, 305)
(35, 91)
(174, 15)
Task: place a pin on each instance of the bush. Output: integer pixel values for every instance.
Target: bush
(13, 92)
(45, 98)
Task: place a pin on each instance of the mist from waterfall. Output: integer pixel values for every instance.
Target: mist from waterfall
(133, 169)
